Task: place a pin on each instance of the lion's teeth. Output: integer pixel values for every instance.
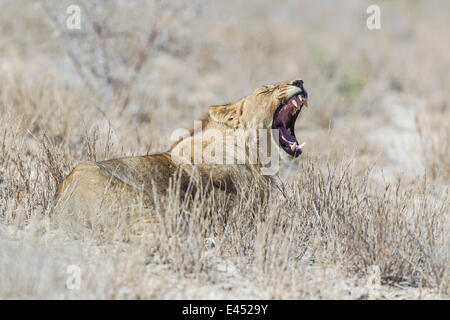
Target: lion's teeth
(295, 103)
(294, 146)
(302, 145)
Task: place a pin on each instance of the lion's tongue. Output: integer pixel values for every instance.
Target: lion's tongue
(290, 140)
(286, 136)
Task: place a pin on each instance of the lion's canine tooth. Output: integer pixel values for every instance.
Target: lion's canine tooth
(302, 145)
(295, 103)
(294, 146)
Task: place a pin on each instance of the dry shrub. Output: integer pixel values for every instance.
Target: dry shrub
(435, 143)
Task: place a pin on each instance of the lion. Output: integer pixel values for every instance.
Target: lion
(224, 133)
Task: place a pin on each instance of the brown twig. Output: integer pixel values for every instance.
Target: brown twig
(143, 55)
(73, 58)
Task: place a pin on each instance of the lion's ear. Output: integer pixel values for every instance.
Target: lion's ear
(228, 114)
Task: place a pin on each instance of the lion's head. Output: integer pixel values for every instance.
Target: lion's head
(274, 106)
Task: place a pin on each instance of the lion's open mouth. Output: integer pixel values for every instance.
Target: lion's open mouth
(284, 120)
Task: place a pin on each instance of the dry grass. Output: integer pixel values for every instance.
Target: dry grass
(362, 214)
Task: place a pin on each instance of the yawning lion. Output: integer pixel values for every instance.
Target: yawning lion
(224, 149)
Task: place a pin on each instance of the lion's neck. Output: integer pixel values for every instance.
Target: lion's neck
(215, 144)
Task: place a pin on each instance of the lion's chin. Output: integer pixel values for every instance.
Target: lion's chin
(284, 122)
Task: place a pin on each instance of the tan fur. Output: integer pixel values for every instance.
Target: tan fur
(129, 181)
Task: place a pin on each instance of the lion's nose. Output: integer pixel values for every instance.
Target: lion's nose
(298, 83)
